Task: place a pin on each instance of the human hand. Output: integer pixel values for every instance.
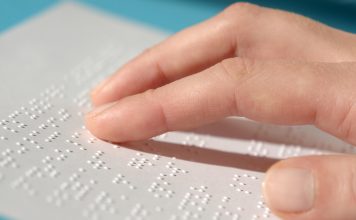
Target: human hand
(264, 64)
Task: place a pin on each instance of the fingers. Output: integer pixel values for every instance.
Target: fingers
(279, 92)
(309, 188)
(270, 91)
(185, 103)
(187, 52)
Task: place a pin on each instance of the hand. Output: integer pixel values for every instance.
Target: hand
(264, 64)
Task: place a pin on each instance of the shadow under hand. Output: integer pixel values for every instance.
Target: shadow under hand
(305, 136)
(242, 129)
(203, 155)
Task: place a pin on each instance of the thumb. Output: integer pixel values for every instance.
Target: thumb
(315, 187)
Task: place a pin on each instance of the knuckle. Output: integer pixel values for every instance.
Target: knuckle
(240, 7)
(236, 68)
(152, 96)
(235, 16)
(235, 71)
(346, 125)
(246, 13)
(239, 12)
(150, 55)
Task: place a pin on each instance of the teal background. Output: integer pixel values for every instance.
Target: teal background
(3, 218)
(173, 15)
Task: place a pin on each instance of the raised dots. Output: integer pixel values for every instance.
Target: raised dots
(73, 167)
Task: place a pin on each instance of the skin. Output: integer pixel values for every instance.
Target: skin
(263, 64)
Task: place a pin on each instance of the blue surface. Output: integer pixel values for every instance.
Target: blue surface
(14, 11)
(3, 218)
(173, 15)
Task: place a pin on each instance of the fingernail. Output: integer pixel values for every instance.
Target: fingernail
(99, 110)
(100, 87)
(289, 189)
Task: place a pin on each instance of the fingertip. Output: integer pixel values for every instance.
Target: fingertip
(94, 122)
(132, 118)
(100, 94)
(95, 99)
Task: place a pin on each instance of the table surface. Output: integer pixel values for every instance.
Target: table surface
(173, 15)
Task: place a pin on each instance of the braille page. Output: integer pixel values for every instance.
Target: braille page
(51, 167)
